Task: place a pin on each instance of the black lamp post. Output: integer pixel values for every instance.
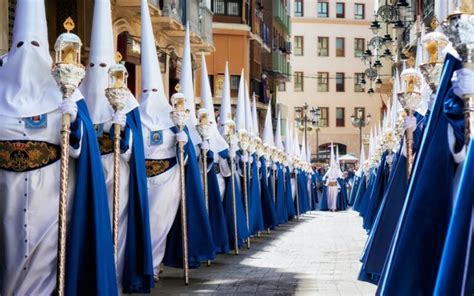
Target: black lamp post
(359, 122)
(306, 122)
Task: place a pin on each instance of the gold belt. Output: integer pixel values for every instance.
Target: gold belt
(22, 156)
(106, 145)
(154, 167)
(332, 184)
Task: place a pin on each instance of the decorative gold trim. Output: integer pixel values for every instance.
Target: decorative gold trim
(22, 156)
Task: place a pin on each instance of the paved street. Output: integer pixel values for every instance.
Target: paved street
(317, 256)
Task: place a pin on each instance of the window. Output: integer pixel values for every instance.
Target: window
(11, 19)
(323, 9)
(298, 81)
(234, 83)
(324, 120)
(282, 86)
(340, 82)
(359, 47)
(323, 46)
(323, 85)
(359, 112)
(358, 87)
(340, 117)
(340, 50)
(298, 7)
(227, 7)
(299, 46)
(340, 10)
(359, 11)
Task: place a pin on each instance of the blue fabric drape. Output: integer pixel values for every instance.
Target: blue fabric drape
(255, 205)
(90, 263)
(270, 220)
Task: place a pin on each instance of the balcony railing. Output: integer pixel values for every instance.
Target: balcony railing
(280, 65)
(281, 15)
(206, 24)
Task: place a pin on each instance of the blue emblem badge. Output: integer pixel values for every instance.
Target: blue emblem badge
(38, 121)
(156, 137)
(99, 129)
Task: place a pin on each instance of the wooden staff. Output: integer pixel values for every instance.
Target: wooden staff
(184, 226)
(409, 146)
(204, 181)
(297, 197)
(234, 206)
(246, 200)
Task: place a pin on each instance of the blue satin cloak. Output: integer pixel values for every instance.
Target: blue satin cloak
(281, 196)
(242, 229)
(412, 265)
(360, 190)
(456, 274)
(90, 263)
(290, 207)
(255, 204)
(341, 202)
(270, 220)
(323, 205)
(200, 241)
(377, 193)
(365, 200)
(314, 191)
(302, 192)
(355, 187)
(138, 262)
(216, 209)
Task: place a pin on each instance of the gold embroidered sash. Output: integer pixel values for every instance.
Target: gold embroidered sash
(22, 156)
(154, 167)
(106, 145)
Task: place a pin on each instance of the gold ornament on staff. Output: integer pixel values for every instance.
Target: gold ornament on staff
(68, 73)
(117, 94)
(204, 129)
(231, 139)
(459, 28)
(410, 99)
(179, 115)
(244, 145)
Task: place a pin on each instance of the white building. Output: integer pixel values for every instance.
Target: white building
(328, 38)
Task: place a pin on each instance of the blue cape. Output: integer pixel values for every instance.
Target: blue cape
(290, 207)
(90, 263)
(341, 203)
(242, 229)
(270, 220)
(359, 192)
(200, 241)
(255, 205)
(138, 263)
(314, 191)
(216, 210)
(281, 197)
(412, 265)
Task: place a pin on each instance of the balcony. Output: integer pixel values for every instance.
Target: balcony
(281, 15)
(280, 66)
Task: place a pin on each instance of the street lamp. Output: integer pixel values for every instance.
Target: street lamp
(308, 122)
(359, 122)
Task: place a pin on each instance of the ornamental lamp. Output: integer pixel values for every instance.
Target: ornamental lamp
(68, 46)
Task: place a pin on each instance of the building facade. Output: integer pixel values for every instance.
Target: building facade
(168, 18)
(329, 37)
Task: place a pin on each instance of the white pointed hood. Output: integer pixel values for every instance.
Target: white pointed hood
(225, 111)
(187, 88)
(240, 111)
(256, 130)
(361, 161)
(101, 57)
(27, 87)
(288, 139)
(248, 112)
(154, 106)
(278, 141)
(268, 128)
(216, 141)
(333, 172)
(296, 144)
(303, 149)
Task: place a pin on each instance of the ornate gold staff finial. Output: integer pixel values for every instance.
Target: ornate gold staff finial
(118, 57)
(177, 88)
(69, 24)
(411, 62)
(434, 23)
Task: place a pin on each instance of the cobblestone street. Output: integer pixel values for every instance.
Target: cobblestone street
(317, 256)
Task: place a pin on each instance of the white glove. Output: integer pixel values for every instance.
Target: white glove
(410, 122)
(68, 106)
(182, 137)
(463, 82)
(259, 164)
(205, 145)
(250, 160)
(120, 118)
(245, 157)
(274, 167)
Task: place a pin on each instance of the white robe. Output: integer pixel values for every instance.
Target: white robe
(108, 166)
(163, 193)
(332, 193)
(29, 203)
